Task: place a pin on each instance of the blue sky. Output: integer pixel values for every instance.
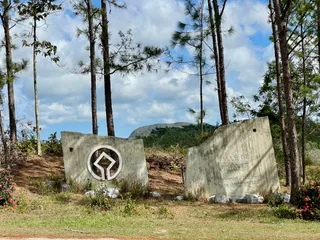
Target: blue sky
(146, 98)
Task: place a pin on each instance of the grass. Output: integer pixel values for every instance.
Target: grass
(68, 215)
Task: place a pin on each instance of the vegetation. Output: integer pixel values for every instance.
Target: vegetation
(52, 146)
(6, 190)
(185, 137)
(308, 201)
(68, 214)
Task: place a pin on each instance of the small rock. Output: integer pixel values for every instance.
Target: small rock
(241, 200)
(178, 198)
(254, 198)
(219, 199)
(66, 187)
(286, 197)
(211, 199)
(90, 193)
(111, 192)
(260, 199)
(155, 194)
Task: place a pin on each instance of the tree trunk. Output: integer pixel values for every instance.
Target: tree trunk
(92, 69)
(216, 58)
(201, 70)
(10, 77)
(280, 104)
(224, 101)
(4, 142)
(291, 116)
(36, 108)
(107, 76)
(318, 32)
(304, 107)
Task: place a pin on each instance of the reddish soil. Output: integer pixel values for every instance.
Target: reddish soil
(30, 169)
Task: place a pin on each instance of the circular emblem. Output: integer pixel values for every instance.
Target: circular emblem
(104, 160)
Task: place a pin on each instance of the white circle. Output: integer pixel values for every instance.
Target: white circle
(89, 162)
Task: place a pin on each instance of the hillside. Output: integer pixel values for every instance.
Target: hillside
(147, 130)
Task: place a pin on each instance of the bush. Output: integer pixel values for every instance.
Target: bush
(28, 145)
(308, 201)
(6, 189)
(274, 200)
(284, 211)
(52, 146)
(130, 205)
(50, 185)
(100, 201)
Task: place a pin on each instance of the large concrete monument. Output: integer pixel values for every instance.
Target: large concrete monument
(237, 160)
(109, 160)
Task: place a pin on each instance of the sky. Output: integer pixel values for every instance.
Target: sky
(144, 98)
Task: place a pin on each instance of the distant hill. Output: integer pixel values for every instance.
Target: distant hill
(165, 135)
(146, 131)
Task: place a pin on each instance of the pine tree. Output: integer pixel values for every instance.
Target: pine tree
(193, 34)
(5, 8)
(38, 10)
(279, 97)
(90, 13)
(281, 16)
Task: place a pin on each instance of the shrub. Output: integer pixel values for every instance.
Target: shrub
(275, 199)
(285, 211)
(129, 206)
(164, 212)
(308, 201)
(52, 146)
(28, 145)
(6, 189)
(100, 201)
(134, 189)
(50, 185)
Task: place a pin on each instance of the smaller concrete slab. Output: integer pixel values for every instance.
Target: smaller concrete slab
(96, 160)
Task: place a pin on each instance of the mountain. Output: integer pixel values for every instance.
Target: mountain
(146, 130)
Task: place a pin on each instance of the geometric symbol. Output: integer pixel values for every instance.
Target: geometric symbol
(101, 168)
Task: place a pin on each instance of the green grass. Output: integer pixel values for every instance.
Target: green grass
(68, 215)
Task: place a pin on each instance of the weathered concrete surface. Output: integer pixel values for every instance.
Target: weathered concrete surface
(76, 151)
(237, 160)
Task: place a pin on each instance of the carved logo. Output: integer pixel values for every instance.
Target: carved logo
(97, 155)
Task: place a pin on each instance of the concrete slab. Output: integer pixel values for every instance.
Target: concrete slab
(237, 160)
(84, 163)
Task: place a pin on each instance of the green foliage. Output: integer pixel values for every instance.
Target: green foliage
(134, 189)
(285, 211)
(185, 137)
(100, 201)
(39, 11)
(163, 212)
(48, 186)
(6, 190)
(274, 200)
(129, 206)
(22, 205)
(52, 146)
(130, 57)
(241, 105)
(308, 201)
(28, 145)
